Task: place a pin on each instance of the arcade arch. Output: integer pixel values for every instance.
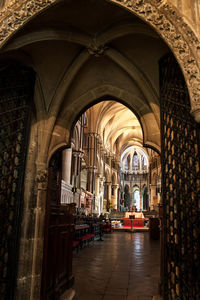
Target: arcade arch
(181, 38)
(59, 101)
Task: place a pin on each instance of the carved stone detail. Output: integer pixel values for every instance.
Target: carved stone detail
(96, 49)
(15, 13)
(165, 18)
(161, 15)
(42, 179)
(2, 3)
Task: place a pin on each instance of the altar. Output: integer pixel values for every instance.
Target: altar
(138, 215)
(138, 220)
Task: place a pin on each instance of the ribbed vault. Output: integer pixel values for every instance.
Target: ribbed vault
(116, 125)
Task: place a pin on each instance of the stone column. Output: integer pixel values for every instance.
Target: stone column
(108, 193)
(131, 163)
(75, 181)
(115, 188)
(91, 179)
(42, 184)
(75, 156)
(92, 147)
(141, 204)
(97, 192)
(97, 179)
(80, 156)
(66, 164)
(153, 194)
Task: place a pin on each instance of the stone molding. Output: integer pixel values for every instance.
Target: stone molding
(160, 14)
(167, 21)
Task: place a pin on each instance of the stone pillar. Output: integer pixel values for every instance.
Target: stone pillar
(92, 148)
(76, 178)
(141, 204)
(42, 184)
(153, 195)
(80, 156)
(66, 164)
(140, 163)
(97, 179)
(91, 179)
(115, 188)
(32, 227)
(108, 194)
(131, 163)
(75, 160)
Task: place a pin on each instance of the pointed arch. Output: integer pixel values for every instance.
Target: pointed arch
(160, 15)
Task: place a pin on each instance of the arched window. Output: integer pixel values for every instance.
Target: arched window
(127, 163)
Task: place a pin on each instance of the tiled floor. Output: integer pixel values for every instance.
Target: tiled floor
(124, 266)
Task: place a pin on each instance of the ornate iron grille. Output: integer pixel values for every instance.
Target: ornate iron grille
(181, 186)
(16, 91)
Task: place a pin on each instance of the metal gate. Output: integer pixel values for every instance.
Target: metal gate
(16, 91)
(180, 186)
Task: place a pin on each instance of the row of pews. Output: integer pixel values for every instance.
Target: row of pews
(88, 229)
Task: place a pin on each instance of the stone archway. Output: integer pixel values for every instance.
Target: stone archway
(159, 14)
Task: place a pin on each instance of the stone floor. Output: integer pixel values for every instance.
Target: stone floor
(124, 266)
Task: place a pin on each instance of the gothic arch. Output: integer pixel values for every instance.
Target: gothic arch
(102, 92)
(162, 16)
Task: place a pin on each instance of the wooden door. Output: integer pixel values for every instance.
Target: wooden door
(57, 261)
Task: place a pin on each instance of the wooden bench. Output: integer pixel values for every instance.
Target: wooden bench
(83, 236)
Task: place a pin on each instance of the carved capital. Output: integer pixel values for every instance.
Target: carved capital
(78, 153)
(102, 179)
(115, 186)
(42, 179)
(109, 183)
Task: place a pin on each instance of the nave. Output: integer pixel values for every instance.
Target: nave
(100, 114)
(125, 266)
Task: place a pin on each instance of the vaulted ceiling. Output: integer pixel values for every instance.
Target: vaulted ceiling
(117, 126)
(86, 50)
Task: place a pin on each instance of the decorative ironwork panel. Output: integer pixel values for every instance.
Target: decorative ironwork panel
(16, 90)
(181, 186)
